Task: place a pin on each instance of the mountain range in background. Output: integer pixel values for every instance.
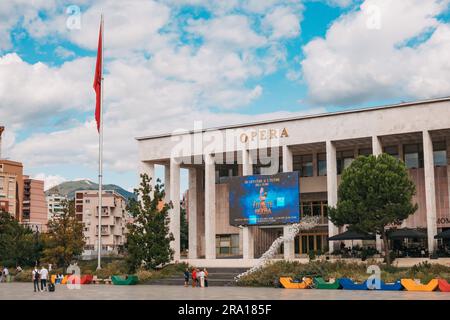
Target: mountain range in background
(68, 188)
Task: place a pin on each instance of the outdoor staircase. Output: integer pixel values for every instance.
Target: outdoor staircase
(217, 277)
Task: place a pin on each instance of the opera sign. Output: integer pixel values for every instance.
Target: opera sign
(264, 134)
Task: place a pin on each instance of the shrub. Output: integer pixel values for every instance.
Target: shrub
(269, 275)
(24, 276)
(144, 275)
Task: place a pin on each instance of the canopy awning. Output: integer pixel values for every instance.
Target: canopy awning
(406, 233)
(351, 235)
(443, 235)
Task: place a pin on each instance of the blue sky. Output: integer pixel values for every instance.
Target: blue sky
(172, 62)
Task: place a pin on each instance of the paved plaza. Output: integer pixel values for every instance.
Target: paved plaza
(24, 291)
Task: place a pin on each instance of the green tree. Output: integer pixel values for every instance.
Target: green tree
(148, 238)
(184, 230)
(374, 192)
(18, 244)
(64, 240)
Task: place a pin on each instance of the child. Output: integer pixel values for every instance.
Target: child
(186, 277)
(194, 278)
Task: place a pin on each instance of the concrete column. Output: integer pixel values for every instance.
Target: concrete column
(289, 246)
(377, 149)
(331, 187)
(210, 207)
(192, 223)
(248, 241)
(430, 194)
(175, 211)
(167, 182)
(149, 169)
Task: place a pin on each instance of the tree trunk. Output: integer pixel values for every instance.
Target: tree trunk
(387, 255)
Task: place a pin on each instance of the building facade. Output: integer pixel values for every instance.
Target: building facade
(34, 211)
(319, 147)
(11, 187)
(114, 219)
(54, 205)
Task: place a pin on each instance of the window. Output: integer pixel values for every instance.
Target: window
(304, 164)
(87, 201)
(227, 170)
(344, 159)
(440, 154)
(314, 208)
(413, 154)
(321, 164)
(392, 150)
(227, 245)
(365, 152)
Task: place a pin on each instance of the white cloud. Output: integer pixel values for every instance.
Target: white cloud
(49, 180)
(284, 22)
(231, 30)
(340, 3)
(365, 54)
(153, 83)
(64, 53)
(29, 93)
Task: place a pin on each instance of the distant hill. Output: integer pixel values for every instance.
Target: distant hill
(69, 188)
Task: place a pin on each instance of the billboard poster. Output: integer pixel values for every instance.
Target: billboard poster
(264, 199)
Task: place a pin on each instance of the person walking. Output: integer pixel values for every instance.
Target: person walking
(194, 278)
(186, 277)
(44, 276)
(206, 276)
(5, 274)
(201, 275)
(35, 278)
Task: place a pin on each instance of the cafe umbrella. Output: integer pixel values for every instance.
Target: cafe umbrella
(351, 235)
(443, 235)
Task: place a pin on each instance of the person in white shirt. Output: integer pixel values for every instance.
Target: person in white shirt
(44, 276)
(201, 275)
(6, 273)
(35, 277)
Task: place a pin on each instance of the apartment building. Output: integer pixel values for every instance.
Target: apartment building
(114, 219)
(54, 205)
(34, 211)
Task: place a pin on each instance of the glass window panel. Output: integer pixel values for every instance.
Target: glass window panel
(316, 209)
(365, 151)
(304, 244)
(319, 242)
(440, 158)
(235, 240)
(311, 243)
(412, 160)
(306, 209)
(322, 168)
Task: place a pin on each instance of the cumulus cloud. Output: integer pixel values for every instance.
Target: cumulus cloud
(283, 22)
(49, 180)
(31, 92)
(386, 49)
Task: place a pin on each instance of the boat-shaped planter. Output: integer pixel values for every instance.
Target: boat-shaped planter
(411, 285)
(396, 286)
(444, 286)
(348, 284)
(289, 283)
(320, 283)
(124, 281)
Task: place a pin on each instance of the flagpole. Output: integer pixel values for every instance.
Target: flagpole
(100, 163)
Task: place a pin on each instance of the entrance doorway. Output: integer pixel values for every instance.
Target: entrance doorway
(307, 242)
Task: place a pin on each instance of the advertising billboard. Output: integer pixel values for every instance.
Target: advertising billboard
(264, 199)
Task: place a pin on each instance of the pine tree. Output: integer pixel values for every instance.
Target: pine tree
(375, 192)
(64, 240)
(148, 238)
